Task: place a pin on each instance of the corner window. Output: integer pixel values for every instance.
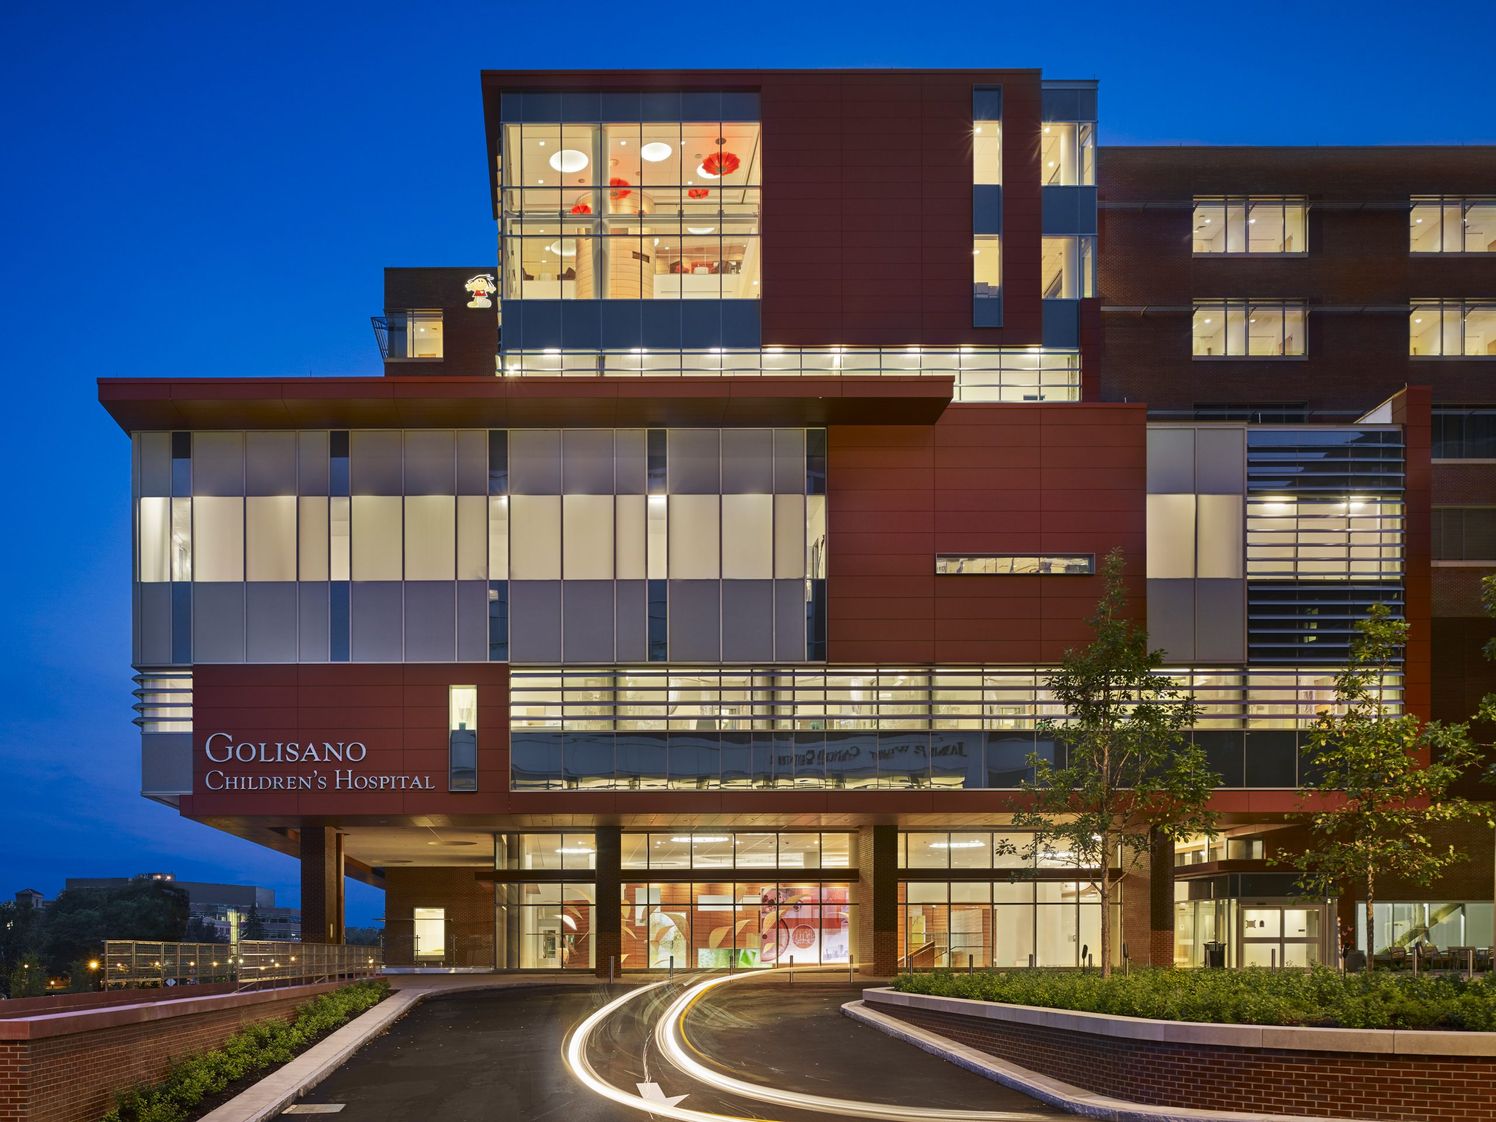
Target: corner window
(1248, 329)
(986, 267)
(414, 334)
(1067, 154)
(1250, 225)
(1452, 329)
(1441, 224)
(1069, 268)
(462, 738)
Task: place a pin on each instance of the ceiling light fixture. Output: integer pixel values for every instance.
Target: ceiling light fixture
(701, 229)
(561, 250)
(656, 150)
(568, 160)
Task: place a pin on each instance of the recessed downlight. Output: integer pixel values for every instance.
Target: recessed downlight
(656, 150)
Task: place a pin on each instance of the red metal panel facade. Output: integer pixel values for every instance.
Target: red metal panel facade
(985, 479)
(398, 712)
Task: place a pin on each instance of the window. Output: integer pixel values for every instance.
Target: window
(1250, 225)
(414, 334)
(462, 738)
(1015, 564)
(1465, 534)
(1248, 329)
(1069, 268)
(1464, 433)
(1067, 154)
(629, 210)
(429, 932)
(986, 152)
(1452, 225)
(986, 267)
(1452, 329)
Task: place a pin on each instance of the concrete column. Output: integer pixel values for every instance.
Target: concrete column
(607, 919)
(321, 884)
(878, 900)
(1160, 900)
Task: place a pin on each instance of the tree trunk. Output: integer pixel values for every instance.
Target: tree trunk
(1106, 907)
(1371, 931)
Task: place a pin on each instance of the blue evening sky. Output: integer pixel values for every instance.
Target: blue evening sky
(213, 189)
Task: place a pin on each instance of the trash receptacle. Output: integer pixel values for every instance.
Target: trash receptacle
(1355, 960)
(1215, 956)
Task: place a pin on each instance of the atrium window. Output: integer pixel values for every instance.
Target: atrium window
(986, 267)
(414, 334)
(630, 211)
(1067, 154)
(1452, 225)
(1015, 564)
(1250, 225)
(1452, 329)
(1248, 329)
(1069, 268)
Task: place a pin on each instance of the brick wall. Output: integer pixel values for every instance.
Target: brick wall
(469, 913)
(69, 1068)
(1336, 1084)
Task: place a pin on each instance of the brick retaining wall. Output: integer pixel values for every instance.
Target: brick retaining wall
(1380, 1087)
(68, 1067)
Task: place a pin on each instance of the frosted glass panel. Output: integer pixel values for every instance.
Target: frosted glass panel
(271, 532)
(789, 536)
(748, 537)
(694, 550)
(1219, 530)
(218, 539)
(587, 537)
(535, 537)
(155, 539)
(472, 537)
(376, 537)
(1171, 535)
(313, 544)
(628, 537)
(498, 537)
(430, 537)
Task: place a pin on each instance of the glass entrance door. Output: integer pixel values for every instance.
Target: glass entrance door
(1283, 934)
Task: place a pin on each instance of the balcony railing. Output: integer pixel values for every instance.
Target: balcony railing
(248, 964)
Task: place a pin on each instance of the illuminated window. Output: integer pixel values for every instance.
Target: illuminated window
(1067, 154)
(1015, 564)
(1248, 329)
(1452, 329)
(414, 334)
(462, 738)
(1250, 225)
(986, 267)
(1452, 225)
(1068, 268)
(987, 152)
(631, 210)
(429, 932)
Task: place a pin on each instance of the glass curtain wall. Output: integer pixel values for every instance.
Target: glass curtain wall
(716, 925)
(625, 210)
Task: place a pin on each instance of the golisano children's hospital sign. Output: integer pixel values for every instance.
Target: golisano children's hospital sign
(324, 765)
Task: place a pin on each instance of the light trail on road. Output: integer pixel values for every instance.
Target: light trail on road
(669, 1039)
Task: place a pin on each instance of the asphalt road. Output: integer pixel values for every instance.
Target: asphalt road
(495, 1056)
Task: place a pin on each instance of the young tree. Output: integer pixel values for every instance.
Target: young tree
(1374, 803)
(1127, 770)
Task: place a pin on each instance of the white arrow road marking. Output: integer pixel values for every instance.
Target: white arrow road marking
(652, 1093)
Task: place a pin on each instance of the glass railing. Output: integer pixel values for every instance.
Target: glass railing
(247, 964)
(981, 374)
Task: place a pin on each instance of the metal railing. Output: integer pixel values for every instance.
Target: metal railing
(247, 964)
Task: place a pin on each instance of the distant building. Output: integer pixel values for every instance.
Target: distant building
(30, 896)
(219, 906)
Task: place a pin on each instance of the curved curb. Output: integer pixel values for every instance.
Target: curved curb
(1053, 1092)
(266, 1099)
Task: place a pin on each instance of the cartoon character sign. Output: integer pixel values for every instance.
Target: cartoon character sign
(481, 288)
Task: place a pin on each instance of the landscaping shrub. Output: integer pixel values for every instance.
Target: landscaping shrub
(1320, 997)
(252, 1049)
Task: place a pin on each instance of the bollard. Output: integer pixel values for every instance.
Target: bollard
(1031, 960)
(612, 961)
(672, 968)
(970, 969)
(1470, 964)
(792, 970)
(851, 978)
(1414, 956)
(1090, 962)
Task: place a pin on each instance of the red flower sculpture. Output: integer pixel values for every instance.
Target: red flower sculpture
(616, 182)
(581, 208)
(721, 163)
(697, 193)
